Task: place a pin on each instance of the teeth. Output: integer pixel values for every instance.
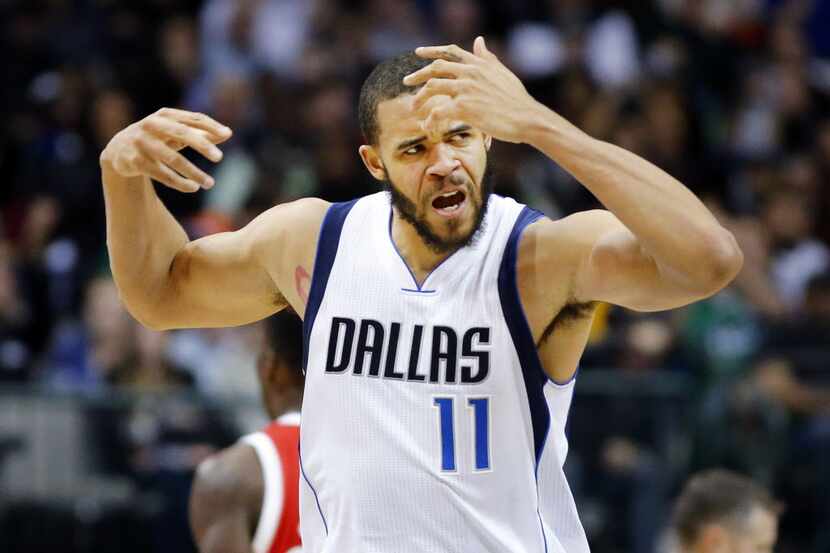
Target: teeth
(447, 195)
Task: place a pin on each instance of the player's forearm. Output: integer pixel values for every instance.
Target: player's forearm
(143, 238)
(671, 223)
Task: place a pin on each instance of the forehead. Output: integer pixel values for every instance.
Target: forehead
(398, 120)
(761, 526)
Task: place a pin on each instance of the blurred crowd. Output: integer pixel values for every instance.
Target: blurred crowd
(731, 97)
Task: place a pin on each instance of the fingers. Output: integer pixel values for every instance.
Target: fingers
(435, 87)
(177, 134)
(166, 176)
(439, 68)
(480, 49)
(154, 152)
(217, 131)
(445, 111)
(449, 52)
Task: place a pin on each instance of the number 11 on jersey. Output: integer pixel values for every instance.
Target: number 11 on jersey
(480, 407)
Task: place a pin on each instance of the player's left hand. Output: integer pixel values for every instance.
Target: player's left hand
(482, 92)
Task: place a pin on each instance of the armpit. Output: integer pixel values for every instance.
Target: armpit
(572, 312)
(279, 300)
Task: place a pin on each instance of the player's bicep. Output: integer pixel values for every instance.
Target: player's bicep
(234, 278)
(222, 280)
(617, 269)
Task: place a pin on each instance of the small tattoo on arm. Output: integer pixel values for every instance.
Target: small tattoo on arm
(302, 282)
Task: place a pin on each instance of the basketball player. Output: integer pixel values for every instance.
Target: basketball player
(723, 512)
(443, 325)
(245, 497)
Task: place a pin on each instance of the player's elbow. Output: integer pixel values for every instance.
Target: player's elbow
(153, 322)
(722, 260)
(140, 302)
(148, 316)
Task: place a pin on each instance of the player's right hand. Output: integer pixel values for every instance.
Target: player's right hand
(150, 147)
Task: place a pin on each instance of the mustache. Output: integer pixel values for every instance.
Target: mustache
(454, 180)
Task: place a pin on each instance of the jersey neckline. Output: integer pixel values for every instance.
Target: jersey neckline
(422, 289)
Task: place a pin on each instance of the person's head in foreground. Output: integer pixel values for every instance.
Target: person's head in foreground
(433, 166)
(280, 362)
(722, 512)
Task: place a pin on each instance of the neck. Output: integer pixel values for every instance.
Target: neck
(281, 406)
(699, 547)
(419, 257)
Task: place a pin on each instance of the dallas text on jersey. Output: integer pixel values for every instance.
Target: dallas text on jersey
(447, 365)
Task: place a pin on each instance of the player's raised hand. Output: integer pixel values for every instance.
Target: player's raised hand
(482, 91)
(151, 147)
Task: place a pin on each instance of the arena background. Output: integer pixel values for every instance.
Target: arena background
(102, 421)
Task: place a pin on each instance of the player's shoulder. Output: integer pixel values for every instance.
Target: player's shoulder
(554, 249)
(227, 486)
(302, 214)
(231, 476)
(573, 232)
(287, 225)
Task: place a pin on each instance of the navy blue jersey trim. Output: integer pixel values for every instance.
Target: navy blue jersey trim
(532, 371)
(307, 481)
(533, 374)
(327, 244)
(565, 382)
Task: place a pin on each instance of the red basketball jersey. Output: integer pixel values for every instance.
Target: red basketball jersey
(277, 447)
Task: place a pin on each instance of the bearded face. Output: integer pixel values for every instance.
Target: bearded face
(434, 172)
(460, 207)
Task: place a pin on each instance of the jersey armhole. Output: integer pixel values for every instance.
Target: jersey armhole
(533, 373)
(273, 494)
(328, 242)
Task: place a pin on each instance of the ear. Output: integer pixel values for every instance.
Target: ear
(488, 141)
(284, 377)
(713, 537)
(371, 159)
(265, 364)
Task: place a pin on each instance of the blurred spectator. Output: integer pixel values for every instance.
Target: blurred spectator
(796, 254)
(87, 354)
(249, 36)
(459, 21)
(722, 511)
(809, 328)
(19, 338)
(395, 26)
(208, 354)
(151, 371)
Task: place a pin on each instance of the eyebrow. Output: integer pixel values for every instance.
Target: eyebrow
(412, 141)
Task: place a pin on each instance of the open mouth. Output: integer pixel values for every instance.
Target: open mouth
(449, 203)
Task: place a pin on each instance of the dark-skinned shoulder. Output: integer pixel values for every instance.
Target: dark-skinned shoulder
(225, 500)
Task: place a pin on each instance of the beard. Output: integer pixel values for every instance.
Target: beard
(454, 240)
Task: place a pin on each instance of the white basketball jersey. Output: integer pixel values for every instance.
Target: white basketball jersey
(428, 422)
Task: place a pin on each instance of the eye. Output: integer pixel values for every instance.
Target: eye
(459, 138)
(414, 150)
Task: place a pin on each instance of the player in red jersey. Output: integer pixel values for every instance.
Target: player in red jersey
(245, 498)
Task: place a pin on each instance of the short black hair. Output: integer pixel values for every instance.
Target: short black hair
(284, 336)
(384, 83)
(717, 496)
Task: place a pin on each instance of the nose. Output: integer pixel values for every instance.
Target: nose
(442, 161)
